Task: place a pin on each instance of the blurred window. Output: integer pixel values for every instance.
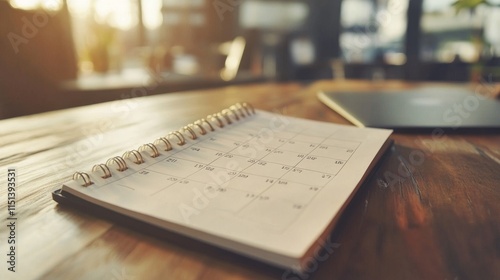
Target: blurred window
(105, 34)
(373, 30)
(111, 35)
(466, 35)
(273, 15)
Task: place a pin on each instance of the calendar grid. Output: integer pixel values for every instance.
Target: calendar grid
(198, 160)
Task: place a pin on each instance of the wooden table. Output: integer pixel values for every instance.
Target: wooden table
(430, 212)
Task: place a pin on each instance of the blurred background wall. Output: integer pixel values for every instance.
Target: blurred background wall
(53, 50)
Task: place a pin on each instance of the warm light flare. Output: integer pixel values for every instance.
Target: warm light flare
(50, 5)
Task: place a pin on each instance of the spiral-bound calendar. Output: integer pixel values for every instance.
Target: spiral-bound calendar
(260, 184)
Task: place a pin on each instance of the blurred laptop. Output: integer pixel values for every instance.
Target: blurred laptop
(426, 108)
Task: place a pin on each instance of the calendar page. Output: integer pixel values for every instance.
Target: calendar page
(267, 185)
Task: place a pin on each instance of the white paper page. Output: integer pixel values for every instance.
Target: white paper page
(267, 182)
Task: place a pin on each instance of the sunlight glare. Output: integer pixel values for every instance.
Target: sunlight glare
(118, 14)
(79, 8)
(152, 15)
(49, 5)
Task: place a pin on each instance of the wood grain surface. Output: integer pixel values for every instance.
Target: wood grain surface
(431, 211)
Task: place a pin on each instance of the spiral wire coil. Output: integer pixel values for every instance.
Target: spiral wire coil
(167, 143)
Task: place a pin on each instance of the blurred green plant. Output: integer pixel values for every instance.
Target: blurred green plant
(469, 4)
(477, 68)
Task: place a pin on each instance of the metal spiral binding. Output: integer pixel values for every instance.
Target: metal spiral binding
(138, 159)
(217, 117)
(152, 148)
(163, 141)
(119, 161)
(84, 176)
(200, 123)
(180, 137)
(104, 168)
(191, 132)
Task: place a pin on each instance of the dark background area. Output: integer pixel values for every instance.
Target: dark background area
(53, 58)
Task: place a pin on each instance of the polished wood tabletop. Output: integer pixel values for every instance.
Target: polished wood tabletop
(430, 211)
